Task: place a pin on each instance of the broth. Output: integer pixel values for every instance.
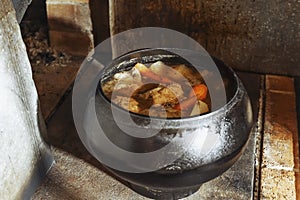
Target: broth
(159, 90)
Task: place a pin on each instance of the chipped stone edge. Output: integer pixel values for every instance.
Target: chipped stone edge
(258, 140)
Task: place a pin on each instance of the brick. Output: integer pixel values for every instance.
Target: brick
(278, 147)
(298, 185)
(83, 17)
(279, 83)
(61, 17)
(68, 1)
(281, 109)
(277, 184)
(74, 43)
(280, 141)
(70, 27)
(68, 17)
(61, 11)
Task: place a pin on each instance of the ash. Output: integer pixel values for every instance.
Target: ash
(38, 48)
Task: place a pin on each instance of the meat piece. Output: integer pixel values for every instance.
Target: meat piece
(155, 111)
(125, 88)
(159, 90)
(163, 112)
(124, 83)
(127, 103)
(192, 75)
(167, 95)
(172, 113)
(108, 87)
(160, 68)
(119, 87)
(132, 75)
(149, 74)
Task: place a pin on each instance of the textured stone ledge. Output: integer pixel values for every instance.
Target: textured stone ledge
(79, 178)
(280, 157)
(24, 157)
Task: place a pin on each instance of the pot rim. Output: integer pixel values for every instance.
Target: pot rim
(230, 103)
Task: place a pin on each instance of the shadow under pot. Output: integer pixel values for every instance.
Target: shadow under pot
(163, 157)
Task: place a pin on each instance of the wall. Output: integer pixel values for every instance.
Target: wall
(257, 35)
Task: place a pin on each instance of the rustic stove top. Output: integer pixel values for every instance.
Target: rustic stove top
(267, 169)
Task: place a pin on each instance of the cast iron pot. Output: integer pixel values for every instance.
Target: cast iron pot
(218, 138)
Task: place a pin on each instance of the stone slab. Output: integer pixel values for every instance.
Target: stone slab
(25, 158)
(73, 179)
(236, 183)
(278, 184)
(280, 156)
(279, 83)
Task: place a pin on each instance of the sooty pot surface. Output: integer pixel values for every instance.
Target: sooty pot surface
(200, 148)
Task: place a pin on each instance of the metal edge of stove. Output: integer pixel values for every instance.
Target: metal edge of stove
(253, 84)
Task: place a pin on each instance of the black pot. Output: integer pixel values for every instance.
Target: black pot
(218, 138)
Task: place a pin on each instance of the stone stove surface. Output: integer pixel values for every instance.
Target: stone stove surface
(268, 169)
